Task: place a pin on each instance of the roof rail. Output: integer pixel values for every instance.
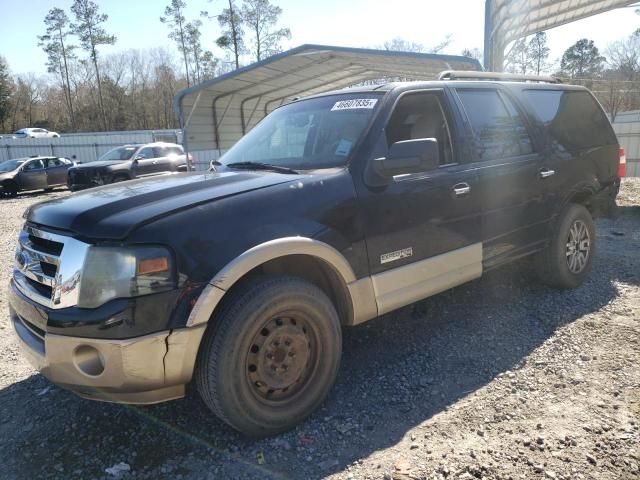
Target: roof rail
(474, 75)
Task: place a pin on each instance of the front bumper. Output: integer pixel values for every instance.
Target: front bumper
(142, 370)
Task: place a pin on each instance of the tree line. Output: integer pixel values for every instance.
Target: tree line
(133, 89)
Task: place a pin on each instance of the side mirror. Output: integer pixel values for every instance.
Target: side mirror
(138, 157)
(409, 156)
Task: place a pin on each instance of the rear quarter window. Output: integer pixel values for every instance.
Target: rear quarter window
(573, 119)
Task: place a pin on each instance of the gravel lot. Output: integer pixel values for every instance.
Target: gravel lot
(500, 378)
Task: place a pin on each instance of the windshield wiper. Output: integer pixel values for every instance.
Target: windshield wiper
(261, 166)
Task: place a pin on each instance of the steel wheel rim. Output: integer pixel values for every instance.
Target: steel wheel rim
(578, 247)
(281, 358)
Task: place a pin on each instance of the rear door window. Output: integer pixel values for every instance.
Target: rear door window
(498, 128)
(147, 152)
(54, 162)
(573, 118)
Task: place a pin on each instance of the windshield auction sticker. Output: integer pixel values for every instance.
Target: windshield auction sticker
(355, 103)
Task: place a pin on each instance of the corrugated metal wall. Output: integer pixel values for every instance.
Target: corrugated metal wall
(85, 146)
(627, 128)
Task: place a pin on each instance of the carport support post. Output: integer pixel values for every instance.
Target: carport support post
(184, 125)
(488, 26)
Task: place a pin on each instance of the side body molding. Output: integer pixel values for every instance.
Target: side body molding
(361, 292)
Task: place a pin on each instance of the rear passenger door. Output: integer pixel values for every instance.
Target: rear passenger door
(507, 164)
(56, 172)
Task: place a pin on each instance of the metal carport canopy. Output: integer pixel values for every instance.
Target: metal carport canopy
(216, 113)
(508, 20)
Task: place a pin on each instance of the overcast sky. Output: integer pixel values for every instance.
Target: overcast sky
(352, 23)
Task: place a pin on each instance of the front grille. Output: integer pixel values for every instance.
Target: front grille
(78, 177)
(46, 246)
(48, 267)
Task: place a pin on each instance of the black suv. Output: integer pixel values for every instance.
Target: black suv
(128, 162)
(333, 210)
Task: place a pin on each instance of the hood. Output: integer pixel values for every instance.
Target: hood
(113, 211)
(99, 163)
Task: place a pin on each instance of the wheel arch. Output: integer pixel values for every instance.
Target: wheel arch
(313, 260)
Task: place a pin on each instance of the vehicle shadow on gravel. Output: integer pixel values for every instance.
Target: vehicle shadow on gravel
(397, 372)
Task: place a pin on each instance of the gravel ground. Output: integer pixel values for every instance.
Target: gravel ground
(500, 378)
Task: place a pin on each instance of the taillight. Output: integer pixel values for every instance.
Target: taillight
(622, 165)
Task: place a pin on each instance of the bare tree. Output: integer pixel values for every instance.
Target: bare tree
(539, 52)
(5, 92)
(472, 53)
(519, 59)
(261, 17)
(400, 44)
(174, 17)
(623, 56)
(54, 43)
(91, 34)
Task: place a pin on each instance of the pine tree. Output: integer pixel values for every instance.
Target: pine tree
(91, 34)
(174, 17)
(54, 43)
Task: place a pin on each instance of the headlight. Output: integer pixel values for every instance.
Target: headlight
(115, 272)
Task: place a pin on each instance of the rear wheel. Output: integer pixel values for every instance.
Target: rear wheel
(270, 356)
(567, 260)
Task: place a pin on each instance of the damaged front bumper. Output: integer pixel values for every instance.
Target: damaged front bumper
(142, 370)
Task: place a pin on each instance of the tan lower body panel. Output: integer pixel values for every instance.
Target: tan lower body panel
(407, 284)
(148, 369)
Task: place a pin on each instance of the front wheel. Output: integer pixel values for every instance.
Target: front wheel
(270, 356)
(566, 261)
(10, 189)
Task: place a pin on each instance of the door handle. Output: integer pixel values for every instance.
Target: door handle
(461, 189)
(545, 173)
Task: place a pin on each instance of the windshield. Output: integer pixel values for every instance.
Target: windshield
(315, 133)
(121, 153)
(10, 165)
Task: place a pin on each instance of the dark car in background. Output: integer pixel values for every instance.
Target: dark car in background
(128, 162)
(33, 173)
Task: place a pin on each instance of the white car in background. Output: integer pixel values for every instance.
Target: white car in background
(35, 133)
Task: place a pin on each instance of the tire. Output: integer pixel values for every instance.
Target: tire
(270, 356)
(10, 189)
(567, 260)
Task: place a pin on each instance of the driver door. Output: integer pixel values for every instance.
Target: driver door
(33, 176)
(423, 229)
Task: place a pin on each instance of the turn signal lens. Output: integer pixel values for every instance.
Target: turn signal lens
(153, 265)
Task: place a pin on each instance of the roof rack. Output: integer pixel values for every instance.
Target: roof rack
(474, 75)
